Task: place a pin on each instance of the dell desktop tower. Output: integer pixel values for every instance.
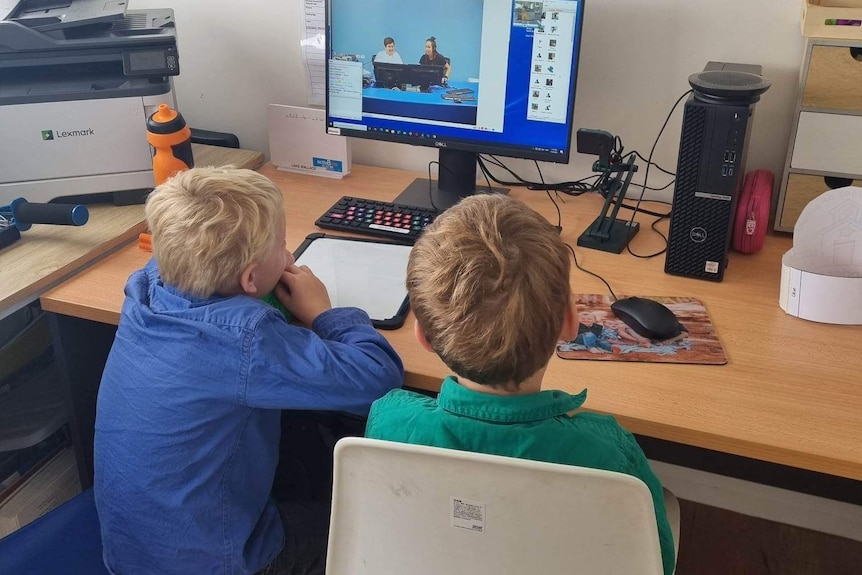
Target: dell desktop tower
(711, 168)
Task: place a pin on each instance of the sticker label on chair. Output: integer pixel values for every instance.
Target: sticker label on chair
(467, 514)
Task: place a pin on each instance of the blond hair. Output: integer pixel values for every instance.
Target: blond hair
(208, 224)
(489, 284)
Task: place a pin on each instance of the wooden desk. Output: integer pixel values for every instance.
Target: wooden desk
(45, 255)
(791, 392)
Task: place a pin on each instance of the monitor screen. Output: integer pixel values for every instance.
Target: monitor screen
(464, 76)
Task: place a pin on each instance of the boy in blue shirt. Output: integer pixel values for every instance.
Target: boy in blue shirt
(489, 284)
(189, 408)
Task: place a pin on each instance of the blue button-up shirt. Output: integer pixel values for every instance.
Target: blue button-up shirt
(188, 421)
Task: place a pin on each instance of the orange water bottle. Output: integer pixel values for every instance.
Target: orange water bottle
(171, 139)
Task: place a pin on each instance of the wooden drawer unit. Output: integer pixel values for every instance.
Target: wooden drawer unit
(825, 149)
(801, 189)
(834, 78)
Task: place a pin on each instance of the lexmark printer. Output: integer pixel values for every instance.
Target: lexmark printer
(78, 79)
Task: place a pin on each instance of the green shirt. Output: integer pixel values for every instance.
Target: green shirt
(535, 426)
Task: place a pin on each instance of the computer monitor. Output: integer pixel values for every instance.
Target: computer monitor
(407, 76)
(511, 66)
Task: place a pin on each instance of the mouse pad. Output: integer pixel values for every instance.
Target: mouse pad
(603, 336)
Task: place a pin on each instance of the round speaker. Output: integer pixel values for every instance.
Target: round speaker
(720, 85)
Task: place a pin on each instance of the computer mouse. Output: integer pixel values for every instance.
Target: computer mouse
(647, 317)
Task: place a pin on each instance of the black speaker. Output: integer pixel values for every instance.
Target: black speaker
(711, 167)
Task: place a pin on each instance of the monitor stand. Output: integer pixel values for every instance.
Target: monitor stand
(456, 180)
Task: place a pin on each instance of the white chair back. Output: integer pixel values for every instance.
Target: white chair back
(407, 509)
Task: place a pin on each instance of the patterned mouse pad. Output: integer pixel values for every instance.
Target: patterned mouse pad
(603, 336)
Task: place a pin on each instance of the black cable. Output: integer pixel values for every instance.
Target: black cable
(571, 188)
(520, 182)
(431, 184)
(664, 187)
(659, 168)
(617, 155)
(550, 197)
(646, 178)
(656, 230)
(577, 265)
(487, 181)
(647, 212)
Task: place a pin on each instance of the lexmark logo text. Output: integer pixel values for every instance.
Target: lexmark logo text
(56, 134)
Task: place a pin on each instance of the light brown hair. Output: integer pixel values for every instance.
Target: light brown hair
(489, 284)
(208, 224)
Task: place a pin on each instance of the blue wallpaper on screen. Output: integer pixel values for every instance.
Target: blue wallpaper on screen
(518, 132)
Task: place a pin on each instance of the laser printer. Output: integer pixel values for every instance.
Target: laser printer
(78, 79)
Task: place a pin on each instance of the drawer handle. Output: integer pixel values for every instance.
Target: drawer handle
(856, 53)
(833, 182)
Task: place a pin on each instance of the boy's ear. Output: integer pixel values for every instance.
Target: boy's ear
(247, 279)
(420, 337)
(569, 330)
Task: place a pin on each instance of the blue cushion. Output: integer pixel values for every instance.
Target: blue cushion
(67, 540)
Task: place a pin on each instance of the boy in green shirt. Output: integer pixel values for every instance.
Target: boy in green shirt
(489, 284)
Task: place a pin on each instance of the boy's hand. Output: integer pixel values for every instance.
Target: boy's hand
(302, 293)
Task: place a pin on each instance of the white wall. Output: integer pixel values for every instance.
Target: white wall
(636, 56)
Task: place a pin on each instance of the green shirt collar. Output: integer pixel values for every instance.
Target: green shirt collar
(457, 399)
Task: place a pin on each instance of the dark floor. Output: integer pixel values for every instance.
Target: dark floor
(718, 542)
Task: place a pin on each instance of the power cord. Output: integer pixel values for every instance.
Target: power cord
(646, 179)
(585, 270)
(550, 197)
(431, 183)
(572, 188)
(659, 168)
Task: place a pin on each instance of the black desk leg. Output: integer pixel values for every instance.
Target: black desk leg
(81, 348)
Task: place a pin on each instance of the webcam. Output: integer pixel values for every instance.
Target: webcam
(597, 143)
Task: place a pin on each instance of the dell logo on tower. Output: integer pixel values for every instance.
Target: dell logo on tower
(47, 134)
(697, 235)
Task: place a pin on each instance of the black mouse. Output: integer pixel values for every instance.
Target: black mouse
(647, 317)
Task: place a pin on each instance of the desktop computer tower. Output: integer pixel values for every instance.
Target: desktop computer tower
(711, 168)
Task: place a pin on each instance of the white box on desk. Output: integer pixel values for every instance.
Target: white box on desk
(298, 142)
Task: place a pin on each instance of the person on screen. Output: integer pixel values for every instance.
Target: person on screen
(388, 55)
(432, 57)
(204, 462)
(489, 284)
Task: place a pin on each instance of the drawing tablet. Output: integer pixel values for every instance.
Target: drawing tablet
(362, 273)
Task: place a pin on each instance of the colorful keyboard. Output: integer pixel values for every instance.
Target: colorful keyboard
(382, 219)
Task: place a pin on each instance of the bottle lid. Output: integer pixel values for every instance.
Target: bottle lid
(165, 120)
(164, 114)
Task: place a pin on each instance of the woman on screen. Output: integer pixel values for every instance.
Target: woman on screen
(432, 57)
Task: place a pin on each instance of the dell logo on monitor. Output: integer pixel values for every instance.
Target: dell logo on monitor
(440, 144)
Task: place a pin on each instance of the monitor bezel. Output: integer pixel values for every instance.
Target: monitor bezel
(459, 144)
